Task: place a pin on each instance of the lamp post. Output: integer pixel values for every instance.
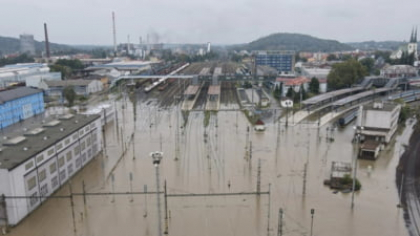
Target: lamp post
(357, 136)
(312, 220)
(157, 157)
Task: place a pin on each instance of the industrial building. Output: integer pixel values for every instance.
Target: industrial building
(27, 44)
(19, 104)
(282, 61)
(29, 73)
(38, 162)
(377, 122)
(81, 87)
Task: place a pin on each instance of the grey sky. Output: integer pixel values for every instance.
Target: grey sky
(200, 21)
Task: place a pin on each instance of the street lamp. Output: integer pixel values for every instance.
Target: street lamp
(357, 136)
(157, 157)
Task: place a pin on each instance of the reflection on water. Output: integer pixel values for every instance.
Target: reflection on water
(213, 160)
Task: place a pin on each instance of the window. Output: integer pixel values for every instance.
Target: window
(34, 199)
(83, 145)
(61, 162)
(77, 150)
(59, 146)
(50, 152)
(81, 132)
(53, 168)
(63, 175)
(69, 156)
(75, 136)
(42, 175)
(67, 141)
(44, 190)
(94, 136)
(31, 183)
(40, 158)
(87, 129)
(92, 125)
(29, 165)
(70, 169)
(78, 162)
(88, 141)
(54, 182)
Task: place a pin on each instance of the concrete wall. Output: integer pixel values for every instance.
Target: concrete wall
(95, 86)
(376, 119)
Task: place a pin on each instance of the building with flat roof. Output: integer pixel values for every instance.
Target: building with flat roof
(35, 164)
(376, 123)
(19, 104)
(282, 61)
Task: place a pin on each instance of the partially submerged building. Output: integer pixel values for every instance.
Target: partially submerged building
(19, 104)
(36, 164)
(376, 124)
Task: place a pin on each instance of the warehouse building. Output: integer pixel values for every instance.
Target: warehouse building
(19, 104)
(29, 73)
(38, 162)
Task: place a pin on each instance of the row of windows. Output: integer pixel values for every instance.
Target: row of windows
(66, 142)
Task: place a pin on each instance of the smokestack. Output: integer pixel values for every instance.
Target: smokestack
(128, 44)
(114, 32)
(47, 43)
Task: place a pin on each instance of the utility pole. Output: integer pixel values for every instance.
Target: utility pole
(131, 186)
(259, 177)
(269, 209)
(166, 211)
(312, 221)
(145, 200)
(72, 209)
(177, 152)
(280, 224)
(305, 169)
(157, 157)
(113, 188)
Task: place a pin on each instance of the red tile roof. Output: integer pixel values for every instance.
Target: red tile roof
(293, 81)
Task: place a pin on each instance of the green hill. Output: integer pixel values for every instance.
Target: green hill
(12, 45)
(297, 42)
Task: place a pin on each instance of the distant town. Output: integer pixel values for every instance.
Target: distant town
(286, 135)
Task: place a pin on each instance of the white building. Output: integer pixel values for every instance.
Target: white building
(30, 73)
(376, 124)
(81, 87)
(410, 48)
(399, 71)
(36, 164)
(106, 111)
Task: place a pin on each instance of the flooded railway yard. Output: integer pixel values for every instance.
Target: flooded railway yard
(211, 171)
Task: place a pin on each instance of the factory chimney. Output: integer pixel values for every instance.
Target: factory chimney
(47, 43)
(114, 33)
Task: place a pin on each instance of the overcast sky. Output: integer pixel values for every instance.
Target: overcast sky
(201, 21)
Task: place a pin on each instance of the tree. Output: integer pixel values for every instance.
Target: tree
(368, 63)
(332, 57)
(345, 74)
(290, 93)
(314, 86)
(277, 93)
(346, 57)
(65, 70)
(70, 95)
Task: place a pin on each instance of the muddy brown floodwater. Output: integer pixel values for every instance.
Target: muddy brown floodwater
(213, 160)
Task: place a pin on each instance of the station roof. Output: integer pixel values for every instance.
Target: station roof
(192, 90)
(330, 95)
(15, 154)
(214, 90)
(358, 96)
